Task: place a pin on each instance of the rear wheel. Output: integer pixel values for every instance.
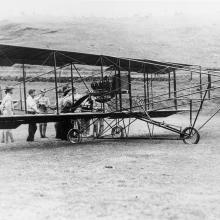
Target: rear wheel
(74, 136)
(190, 135)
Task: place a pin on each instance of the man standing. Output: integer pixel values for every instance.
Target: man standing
(31, 109)
(43, 103)
(7, 108)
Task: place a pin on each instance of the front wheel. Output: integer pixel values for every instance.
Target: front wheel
(190, 135)
(74, 136)
(117, 132)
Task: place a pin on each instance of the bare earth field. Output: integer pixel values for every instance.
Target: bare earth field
(126, 179)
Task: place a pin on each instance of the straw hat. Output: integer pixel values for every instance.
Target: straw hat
(31, 91)
(66, 91)
(60, 91)
(43, 90)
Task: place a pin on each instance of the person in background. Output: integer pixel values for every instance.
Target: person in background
(43, 104)
(7, 108)
(31, 109)
(98, 123)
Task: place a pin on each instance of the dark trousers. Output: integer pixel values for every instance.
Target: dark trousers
(31, 130)
(58, 128)
(62, 129)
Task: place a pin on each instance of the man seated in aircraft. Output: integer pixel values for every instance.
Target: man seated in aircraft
(65, 102)
(68, 98)
(57, 125)
(87, 106)
(43, 105)
(31, 109)
(66, 105)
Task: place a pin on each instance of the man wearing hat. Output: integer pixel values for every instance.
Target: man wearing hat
(31, 109)
(68, 98)
(7, 108)
(43, 104)
(66, 105)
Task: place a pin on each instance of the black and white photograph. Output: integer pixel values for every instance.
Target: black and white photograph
(110, 110)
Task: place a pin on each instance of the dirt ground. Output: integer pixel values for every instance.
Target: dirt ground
(125, 179)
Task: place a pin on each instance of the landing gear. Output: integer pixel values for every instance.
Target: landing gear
(74, 136)
(117, 132)
(190, 135)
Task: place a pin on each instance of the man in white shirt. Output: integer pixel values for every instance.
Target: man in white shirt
(7, 108)
(31, 109)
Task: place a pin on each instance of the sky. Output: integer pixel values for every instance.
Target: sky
(105, 8)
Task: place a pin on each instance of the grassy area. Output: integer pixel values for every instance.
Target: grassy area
(158, 87)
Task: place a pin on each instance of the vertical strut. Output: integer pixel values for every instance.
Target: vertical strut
(174, 87)
(190, 103)
(55, 77)
(169, 84)
(148, 92)
(119, 76)
(145, 98)
(20, 97)
(200, 82)
(24, 84)
(129, 85)
(209, 85)
(71, 69)
(116, 91)
(103, 104)
(152, 95)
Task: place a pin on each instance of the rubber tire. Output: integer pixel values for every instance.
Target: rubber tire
(74, 136)
(117, 130)
(189, 129)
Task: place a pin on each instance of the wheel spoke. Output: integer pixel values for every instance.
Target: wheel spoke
(190, 135)
(74, 136)
(117, 132)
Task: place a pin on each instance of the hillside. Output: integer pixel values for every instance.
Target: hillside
(177, 38)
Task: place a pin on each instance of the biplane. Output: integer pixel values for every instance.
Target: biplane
(126, 90)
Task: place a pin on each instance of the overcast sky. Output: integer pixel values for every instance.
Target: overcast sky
(106, 8)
